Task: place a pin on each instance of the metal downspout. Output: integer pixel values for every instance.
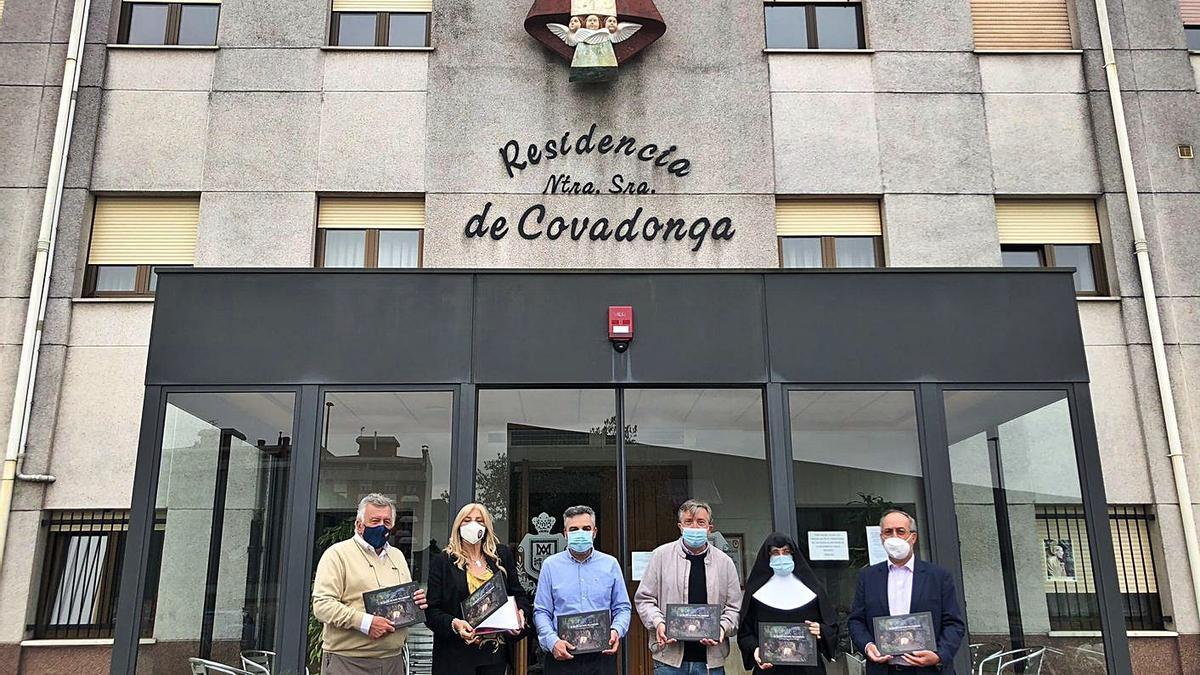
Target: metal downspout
(1153, 317)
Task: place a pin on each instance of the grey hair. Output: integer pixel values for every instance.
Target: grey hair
(691, 506)
(375, 499)
(580, 510)
(912, 522)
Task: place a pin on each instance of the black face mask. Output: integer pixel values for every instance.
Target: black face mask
(376, 536)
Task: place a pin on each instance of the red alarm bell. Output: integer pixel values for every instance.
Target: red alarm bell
(620, 326)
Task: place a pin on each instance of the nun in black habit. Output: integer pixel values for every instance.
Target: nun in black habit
(779, 592)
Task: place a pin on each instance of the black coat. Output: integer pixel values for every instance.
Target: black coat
(447, 590)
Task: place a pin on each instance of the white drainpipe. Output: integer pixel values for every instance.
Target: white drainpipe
(1153, 319)
(39, 287)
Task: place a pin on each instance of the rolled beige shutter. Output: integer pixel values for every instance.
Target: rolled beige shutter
(1, 10)
(357, 213)
(383, 5)
(827, 217)
(144, 231)
(1188, 9)
(1021, 24)
(1047, 221)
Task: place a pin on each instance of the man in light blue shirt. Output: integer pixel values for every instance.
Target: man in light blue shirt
(580, 579)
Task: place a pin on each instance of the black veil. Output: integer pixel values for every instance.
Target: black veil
(761, 573)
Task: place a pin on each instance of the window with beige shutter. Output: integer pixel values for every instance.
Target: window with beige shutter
(132, 237)
(1021, 25)
(1053, 233)
(829, 233)
(370, 232)
(380, 23)
(1189, 12)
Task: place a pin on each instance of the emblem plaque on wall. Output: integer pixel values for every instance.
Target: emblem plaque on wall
(596, 35)
(535, 548)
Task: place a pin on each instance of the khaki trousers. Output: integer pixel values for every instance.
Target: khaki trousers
(333, 664)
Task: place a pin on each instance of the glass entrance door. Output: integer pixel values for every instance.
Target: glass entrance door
(541, 451)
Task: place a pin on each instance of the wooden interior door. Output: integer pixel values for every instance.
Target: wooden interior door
(651, 522)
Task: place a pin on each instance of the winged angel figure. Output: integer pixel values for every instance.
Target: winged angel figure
(595, 60)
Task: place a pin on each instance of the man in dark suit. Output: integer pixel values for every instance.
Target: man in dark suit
(904, 585)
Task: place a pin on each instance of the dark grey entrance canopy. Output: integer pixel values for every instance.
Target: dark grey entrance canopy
(306, 332)
(390, 327)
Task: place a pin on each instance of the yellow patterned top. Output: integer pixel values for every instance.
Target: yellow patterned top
(474, 582)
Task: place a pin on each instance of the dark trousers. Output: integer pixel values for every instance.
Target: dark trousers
(583, 664)
(493, 669)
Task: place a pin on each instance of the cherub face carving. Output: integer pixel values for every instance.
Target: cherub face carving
(593, 22)
(575, 24)
(611, 24)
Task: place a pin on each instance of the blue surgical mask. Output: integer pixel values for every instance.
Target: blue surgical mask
(783, 565)
(580, 541)
(375, 536)
(695, 537)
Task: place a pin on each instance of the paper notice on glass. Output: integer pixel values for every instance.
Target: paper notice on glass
(640, 561)
(829, 545)
(503, 619)
(875, 551)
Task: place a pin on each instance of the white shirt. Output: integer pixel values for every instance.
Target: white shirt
(900, 581)
(365, 625)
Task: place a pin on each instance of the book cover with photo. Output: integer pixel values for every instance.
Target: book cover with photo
(587, 631)
(786, 644)
(905, 633)
(396, 604)
(692, 623)
(485, 601)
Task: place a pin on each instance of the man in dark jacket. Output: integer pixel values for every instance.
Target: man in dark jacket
(904, 585)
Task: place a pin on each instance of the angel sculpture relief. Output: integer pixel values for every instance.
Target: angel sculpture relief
(595, 60)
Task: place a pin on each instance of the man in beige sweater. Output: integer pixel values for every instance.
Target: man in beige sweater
(689, 571)
(354, 642)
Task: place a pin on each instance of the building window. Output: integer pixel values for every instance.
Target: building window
(1054, 233)
(829, 233)
(1193, 37)
(81, 574)
(153, 23)
(1069, 572)
(370, 232)
(380, 23)
(1189, 11)
(815, 26)
(830, 252)
(133, 238)
(1021, 25)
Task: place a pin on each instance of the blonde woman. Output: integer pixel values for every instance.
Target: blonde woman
(473, 556)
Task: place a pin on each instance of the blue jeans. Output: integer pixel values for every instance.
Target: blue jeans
(688, 668)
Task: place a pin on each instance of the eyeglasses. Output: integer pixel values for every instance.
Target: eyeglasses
(897, 532)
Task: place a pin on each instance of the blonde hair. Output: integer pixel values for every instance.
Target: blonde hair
(456, 550)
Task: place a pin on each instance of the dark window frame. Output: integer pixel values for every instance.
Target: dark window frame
(141, 284)
(174, 19)
(59, 528)
(382, 28)
(1188, 32)
(829, 250)
(371, 245)
(810, 23)
(1047, 254)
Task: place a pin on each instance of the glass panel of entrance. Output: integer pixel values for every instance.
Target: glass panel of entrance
(855, 455)
(219, 511)
(539, 452)
(1027, 574)
(396, 444)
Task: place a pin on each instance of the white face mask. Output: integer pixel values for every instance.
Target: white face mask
(472, 532)
(897, 548)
